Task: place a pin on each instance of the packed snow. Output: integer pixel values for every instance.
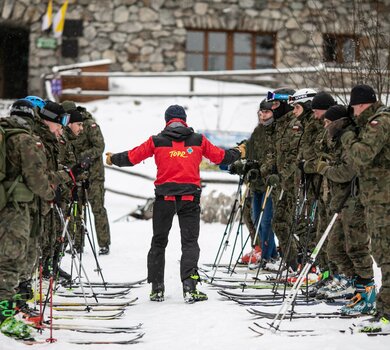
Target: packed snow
(172, 324)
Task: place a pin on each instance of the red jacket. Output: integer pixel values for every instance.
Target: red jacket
(177, 152)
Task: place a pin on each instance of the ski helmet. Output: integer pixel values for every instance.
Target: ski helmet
(36, 101)
(22, 108)
(303, 97)
(281, 95)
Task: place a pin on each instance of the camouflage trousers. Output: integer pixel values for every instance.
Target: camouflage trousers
(96, 199)
(378, 223)
(349, 242)
(14, 238)
(282, 223)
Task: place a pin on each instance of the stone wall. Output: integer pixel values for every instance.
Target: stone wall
(150, 35)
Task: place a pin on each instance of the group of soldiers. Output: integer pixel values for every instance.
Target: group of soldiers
(50, 160)
(317, 158)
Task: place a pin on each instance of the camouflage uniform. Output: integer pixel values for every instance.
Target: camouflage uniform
(91, 143)
(349, 242)
(369, 154)
(282, 158)
(25, 158)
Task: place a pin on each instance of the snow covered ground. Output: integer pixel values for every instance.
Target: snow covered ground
(217, 323)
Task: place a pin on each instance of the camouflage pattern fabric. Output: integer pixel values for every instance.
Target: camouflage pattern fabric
(369, 154)
(26, 157)
(91, 143)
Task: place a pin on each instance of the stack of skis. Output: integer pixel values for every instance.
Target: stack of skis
(78, 314)
(264, 292)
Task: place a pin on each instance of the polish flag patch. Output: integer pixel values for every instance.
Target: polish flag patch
(374, 123)
(296, 128)
(93, 125)
(39, 144)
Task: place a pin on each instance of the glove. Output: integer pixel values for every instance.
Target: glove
(347, 138)
(337, 128)
(85, 184)
(232, 169)
(242, 148)
(58, 195)
(322, 167)
(301, 165)
(108, 158)
(252, 175)
(273, 180)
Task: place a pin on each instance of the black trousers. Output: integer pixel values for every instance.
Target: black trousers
(189, 216)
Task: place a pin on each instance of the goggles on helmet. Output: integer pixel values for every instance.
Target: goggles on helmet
(279, 97)
(292, 99)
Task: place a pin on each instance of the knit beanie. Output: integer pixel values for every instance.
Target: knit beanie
(322, 100)
(75, 116)
(52, 112)
(362, 94)
(22, 108)
(336, 112)
(175, 111)
(68, 106)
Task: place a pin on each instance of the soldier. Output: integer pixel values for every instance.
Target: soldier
(177, 151)
(369, 153)
(90, 143)
(279, 169)
(26, 179)
(349, 242)
(309, 183)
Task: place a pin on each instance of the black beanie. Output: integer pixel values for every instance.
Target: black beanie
(75, 116)
(322, 100)
(175, 111)
(22, 108)
(52, 111)
(362, 94)
(336, 112)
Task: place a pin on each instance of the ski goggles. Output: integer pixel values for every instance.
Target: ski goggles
(278, 97)
(62, 119)
(294, 99)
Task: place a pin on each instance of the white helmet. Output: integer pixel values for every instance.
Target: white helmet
(302, 96)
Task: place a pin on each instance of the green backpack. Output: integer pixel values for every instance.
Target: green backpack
(15, 190)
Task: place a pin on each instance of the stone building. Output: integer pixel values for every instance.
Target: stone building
(178, 35)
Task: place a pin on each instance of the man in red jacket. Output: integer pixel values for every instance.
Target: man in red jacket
(178, 152)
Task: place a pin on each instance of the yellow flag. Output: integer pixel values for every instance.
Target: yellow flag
(48, 17)
(59, 20)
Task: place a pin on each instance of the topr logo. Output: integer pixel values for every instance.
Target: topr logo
(181, 154)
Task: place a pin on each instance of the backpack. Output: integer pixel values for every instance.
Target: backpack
(6, 189)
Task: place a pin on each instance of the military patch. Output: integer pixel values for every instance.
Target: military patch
(39, 144)
(296, 128)
(374, 123)
(62, 141)
(93, 125)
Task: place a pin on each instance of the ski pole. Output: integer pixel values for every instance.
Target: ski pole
(275, 324)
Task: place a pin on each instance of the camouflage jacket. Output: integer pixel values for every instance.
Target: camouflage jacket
(284, 153)
(257, 149)
(91, 143)
(25, 156)
(312, 128)
(339, 173)
(67, 151)
(369, 153)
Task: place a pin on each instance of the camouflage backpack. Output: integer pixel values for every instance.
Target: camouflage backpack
(6, 188)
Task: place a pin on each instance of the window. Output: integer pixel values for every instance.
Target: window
(218, 50)
(341, 48)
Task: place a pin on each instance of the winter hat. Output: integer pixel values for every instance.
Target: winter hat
(336, 112)
(322, 100)
(265, 105)
(68, 106)
(362, 94)
(75, 116)
(22, 108)
(175, 111)
(53, 112)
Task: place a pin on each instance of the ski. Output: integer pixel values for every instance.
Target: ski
(101, 294)
(297, 315)
(130, 340)
(267, 303)
(98, 284)
(246, 286)
(81, 302)
(286, 332)
(92, 315)
(93, 328)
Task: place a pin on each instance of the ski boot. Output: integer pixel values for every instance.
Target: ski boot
(363, 302)
(377, 324)
(9, 325)
(104, 250)
(190, 293)
(157, 293)
(253, 257)
(341, 287)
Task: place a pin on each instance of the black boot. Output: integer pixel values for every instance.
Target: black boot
(157, 293)
(25, 290)
(190, 293)
(104, 250)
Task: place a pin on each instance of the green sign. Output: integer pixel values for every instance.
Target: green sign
(46, 43)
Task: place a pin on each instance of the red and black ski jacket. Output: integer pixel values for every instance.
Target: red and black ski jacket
(177, 152)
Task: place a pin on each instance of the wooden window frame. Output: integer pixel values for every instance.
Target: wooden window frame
(339, 40)
(229, 54)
